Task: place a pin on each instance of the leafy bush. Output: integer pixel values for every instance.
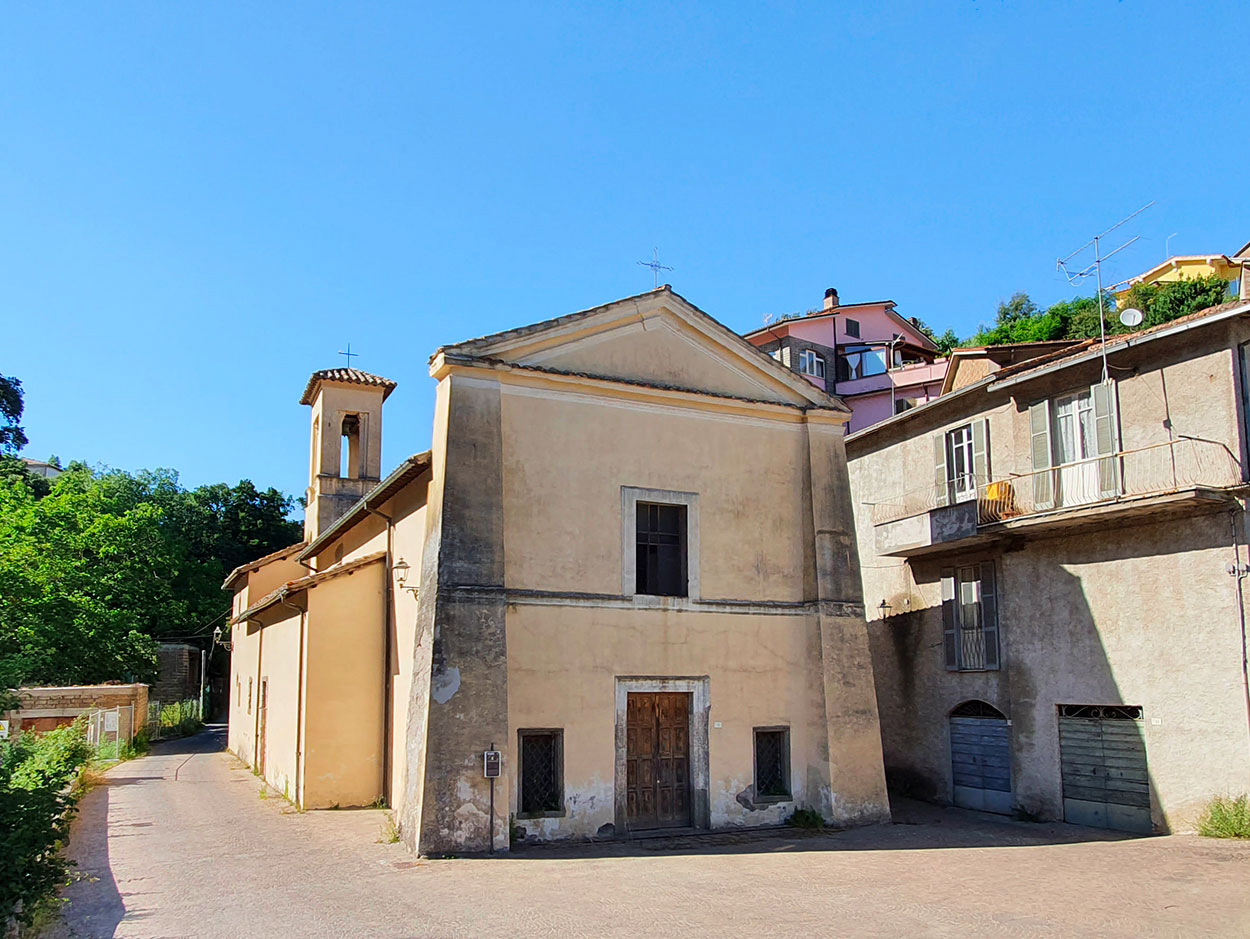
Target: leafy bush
(181, 717)
(38, 793)
(1226, 817)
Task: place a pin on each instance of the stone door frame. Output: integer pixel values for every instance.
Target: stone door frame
(700, 773)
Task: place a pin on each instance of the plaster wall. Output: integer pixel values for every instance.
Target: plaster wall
(1139, 612)
(573, 629)
(344, 676)
(280, 665)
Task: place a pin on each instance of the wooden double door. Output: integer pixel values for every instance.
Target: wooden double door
(657, 760)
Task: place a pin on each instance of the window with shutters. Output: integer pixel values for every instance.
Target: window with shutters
(961, 462)
(1073, 447)
(661, 550)
(811, 364)
(970, 617)
(772, 764)
(540, 773)
(852, 327)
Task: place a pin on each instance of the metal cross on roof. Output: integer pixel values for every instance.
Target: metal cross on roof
(655, 266)
(349, 354)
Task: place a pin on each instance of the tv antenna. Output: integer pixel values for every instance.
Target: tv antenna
(1065, 265)
(655, 266)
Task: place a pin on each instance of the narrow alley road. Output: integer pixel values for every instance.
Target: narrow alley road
(180, 844)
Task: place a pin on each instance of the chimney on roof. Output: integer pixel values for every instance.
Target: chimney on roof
(831, 299)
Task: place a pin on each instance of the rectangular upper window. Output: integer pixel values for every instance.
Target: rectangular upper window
(661, 550)
(852, 327)
(540, 773)
(970, 617)
(961, 462)
(811, 364)
(772, 764)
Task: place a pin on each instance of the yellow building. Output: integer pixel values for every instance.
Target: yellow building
(627, 564)
(1193, 266)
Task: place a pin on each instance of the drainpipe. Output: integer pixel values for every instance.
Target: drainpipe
(387, 690)
(1239, 572)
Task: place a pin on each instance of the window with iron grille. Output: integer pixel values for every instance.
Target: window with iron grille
(541, 773)
(661, 542)
(772, 764)
(970, 617)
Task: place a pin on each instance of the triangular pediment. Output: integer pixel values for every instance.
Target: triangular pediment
(657, 338)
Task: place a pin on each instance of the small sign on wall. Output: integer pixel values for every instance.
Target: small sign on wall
(491, 763)
(4, 730)
(110, 722)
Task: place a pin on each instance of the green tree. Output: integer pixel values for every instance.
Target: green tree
(12, 437)
(106, 563)
(1169, 300)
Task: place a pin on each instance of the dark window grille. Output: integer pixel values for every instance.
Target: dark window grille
(977, 709)
(541, 772)
(661, 540)
(1104, 712)
(772, 764)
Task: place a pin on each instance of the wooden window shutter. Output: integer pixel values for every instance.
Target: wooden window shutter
(941, 478)
(1039, 434)
(950, 624)
(989, 614)
(1104, 435)
(981, 452)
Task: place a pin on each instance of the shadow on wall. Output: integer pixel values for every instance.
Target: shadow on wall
(1076, 743)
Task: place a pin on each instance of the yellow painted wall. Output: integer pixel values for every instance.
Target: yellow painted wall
(344, 713)
(562, 527)
(279, 664)
(408, 512)
(566, 457)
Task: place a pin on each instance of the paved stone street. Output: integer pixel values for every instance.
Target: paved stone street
(179, 843)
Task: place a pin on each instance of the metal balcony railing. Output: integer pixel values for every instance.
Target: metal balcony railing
(1184, 463)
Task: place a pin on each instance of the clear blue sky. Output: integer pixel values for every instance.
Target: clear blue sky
(204, 202)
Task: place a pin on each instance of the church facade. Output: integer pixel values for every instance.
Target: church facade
(627, 565)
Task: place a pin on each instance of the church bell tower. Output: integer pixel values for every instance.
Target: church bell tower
(346, 449)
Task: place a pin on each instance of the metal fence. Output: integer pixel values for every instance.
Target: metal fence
(108, 729)
(173, 719)
(1161, 468)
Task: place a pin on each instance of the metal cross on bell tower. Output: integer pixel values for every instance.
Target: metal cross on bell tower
(349, 354)
(655, 266)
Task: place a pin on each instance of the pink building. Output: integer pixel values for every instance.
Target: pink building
(876, 360)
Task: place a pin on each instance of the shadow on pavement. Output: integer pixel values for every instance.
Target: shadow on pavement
(915, 826)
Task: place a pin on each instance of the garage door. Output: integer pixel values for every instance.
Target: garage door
(980, 758)
(1103, 758)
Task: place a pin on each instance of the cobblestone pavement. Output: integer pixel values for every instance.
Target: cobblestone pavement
(179, 843)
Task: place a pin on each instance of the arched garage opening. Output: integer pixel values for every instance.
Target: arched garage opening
(980, 758)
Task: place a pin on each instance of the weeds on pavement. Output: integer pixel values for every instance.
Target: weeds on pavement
(1226, 817)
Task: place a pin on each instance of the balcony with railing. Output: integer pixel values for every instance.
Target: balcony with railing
(1177, 476)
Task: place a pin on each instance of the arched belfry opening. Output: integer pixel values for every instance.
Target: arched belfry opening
(346, 442)
(350, 452)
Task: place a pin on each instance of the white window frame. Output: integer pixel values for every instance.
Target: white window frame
(811, 363)
(963, 485)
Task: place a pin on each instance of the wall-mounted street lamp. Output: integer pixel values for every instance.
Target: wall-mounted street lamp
(217, 634)
(884, 608)
(402, 569)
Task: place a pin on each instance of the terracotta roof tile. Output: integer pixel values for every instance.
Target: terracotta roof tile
(350, 376)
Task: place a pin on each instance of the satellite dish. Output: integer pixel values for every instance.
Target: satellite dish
(1131, 317)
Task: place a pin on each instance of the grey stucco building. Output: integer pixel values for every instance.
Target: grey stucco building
(1054, 564)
